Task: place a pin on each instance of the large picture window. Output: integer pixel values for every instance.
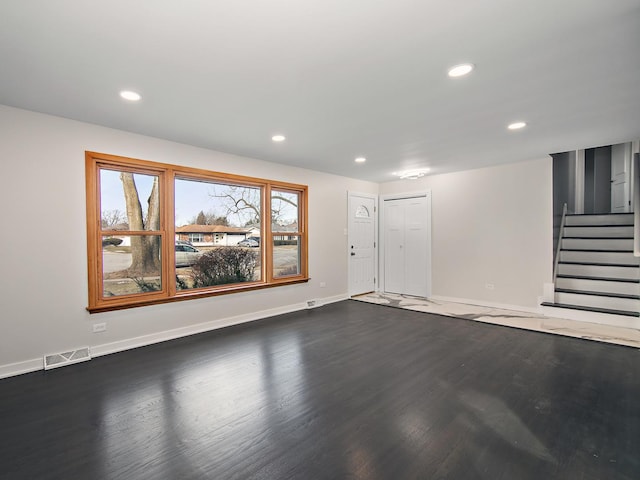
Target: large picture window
(158, 233)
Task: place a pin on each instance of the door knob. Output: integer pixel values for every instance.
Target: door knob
(353, 254)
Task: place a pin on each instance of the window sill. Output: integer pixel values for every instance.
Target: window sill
(191, 295)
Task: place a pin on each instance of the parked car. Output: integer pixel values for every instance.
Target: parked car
(186, 255)
(184, 242)
(111, 241)
(249, 242)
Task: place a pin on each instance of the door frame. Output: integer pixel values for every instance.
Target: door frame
(376, 243)
(401, 196)
(627, 155)
(579, 192)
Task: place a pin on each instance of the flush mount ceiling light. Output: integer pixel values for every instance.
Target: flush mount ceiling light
(278, 138)
(360, 160)
(516, 125)
(130, 95)
(412, 174)
(460, 70)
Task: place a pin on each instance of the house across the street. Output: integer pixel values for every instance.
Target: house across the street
(212, 235)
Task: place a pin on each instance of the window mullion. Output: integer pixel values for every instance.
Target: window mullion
(168, 202)
(267, 250)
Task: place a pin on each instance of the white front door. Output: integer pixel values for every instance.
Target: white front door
(620, 178)
(362, 236)
(407, 245)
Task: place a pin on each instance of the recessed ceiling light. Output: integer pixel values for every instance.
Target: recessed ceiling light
(460, 70)
(361, 160)
(129, 95)
(516, 125)
(278, 138)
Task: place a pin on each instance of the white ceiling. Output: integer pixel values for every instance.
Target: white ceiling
(339, 78)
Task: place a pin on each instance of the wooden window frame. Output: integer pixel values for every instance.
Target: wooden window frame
(298, 234)
(167, 173)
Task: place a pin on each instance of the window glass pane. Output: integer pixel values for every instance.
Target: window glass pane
(286, 255)
(131, 264)
(129, 201)
(362, 212)
(194, 237)
(222, 223)
(209, 208)
(284, 211)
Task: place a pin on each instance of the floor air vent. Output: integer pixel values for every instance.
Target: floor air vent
(66, 358)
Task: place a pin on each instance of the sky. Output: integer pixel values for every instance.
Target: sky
(191, 197)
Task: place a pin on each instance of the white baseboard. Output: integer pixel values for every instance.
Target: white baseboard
(18, 368)
(122, 345)
(33, 365)
(482, 303)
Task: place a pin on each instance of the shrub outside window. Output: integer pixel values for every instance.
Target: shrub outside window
(159, 233)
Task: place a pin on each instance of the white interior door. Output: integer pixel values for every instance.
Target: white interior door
(362, 243)
(620, 178)
(394, 258)
(407, 245)
(415, 240)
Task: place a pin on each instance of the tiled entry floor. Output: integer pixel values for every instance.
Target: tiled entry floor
(510, 318)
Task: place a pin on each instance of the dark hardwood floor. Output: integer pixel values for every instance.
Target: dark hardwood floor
(346, 391)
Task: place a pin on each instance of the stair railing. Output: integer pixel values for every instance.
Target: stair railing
(560, 234)
(636, 205)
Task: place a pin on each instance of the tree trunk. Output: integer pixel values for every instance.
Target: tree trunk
(145, 249)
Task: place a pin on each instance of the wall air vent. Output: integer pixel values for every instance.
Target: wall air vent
(66, 358)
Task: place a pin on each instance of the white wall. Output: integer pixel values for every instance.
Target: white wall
(43, 242)
(491, 225)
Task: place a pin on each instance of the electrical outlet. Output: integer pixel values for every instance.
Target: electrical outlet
(323, 284)
(489, 286)
(99, 327)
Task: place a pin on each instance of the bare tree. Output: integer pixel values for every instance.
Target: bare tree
(245, 204)
(213, 219)
(284, 208)
(113, 219)
(209, 218)
(201, 219)
(240, 202)
(145, 249)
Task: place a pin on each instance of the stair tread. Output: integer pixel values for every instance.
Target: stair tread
(592, 309)
(598, 214)
(599, 264)
(594, 250)
(605, 279)
(598, 294)
(599, 225)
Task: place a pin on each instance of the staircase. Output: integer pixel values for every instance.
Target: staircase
(597, 270)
